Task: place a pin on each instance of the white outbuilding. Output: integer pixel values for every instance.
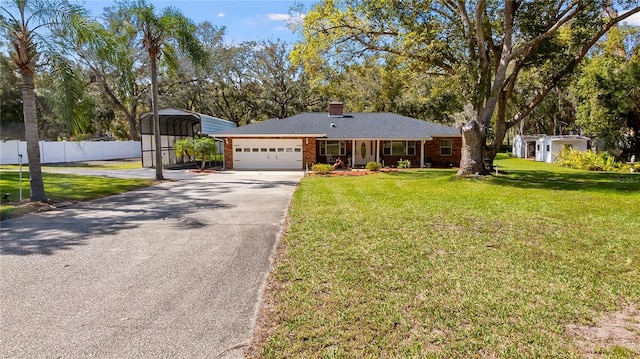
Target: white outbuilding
(176, 124)
(545, 148)
(525, 146)
(548, 147)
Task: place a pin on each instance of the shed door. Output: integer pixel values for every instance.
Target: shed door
(269, 154)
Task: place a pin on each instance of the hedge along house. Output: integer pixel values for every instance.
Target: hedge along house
(175, 125)
(298, 142)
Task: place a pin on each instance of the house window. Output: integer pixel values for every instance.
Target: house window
(548, 148)
(445, 147)
(411, 148)
(238, 149)
(398, 148)
(334, 148)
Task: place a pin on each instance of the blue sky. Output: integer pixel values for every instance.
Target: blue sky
(245, 20)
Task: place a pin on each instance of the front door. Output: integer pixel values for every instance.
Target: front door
(364, 152)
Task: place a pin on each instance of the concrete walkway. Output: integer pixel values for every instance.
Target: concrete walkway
(169, 271)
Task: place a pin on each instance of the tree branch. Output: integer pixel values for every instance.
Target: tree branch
(533, 44)
(553, 81)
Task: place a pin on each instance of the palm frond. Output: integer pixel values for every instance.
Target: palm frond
(170, 58)
(183, 31)
(69, 92)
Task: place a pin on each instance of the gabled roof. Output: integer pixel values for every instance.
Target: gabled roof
(378, 125)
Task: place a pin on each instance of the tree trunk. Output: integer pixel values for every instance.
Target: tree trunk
(156, 117)
(31, 134)
(473, 143)
(133, 119)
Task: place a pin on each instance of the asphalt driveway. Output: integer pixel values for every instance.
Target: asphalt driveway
(173, 270)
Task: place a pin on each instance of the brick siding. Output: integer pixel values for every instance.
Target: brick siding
(308, 152)
(228, 153)
(432, 151)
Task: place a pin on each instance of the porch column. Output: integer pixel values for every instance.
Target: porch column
(378, 151)
(421, 153)
(353, 153)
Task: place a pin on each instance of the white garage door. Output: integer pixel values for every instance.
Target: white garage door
(272, 154)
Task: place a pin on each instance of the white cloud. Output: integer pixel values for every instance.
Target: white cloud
(633, 19)
(222, 14)
(279, 17)
(286, 18)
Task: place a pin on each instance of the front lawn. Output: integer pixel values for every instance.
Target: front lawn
(61, 187)
(422, 264)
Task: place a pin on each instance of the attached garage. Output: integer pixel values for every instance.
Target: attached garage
(267, 154)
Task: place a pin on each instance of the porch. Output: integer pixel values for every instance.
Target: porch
(422, 153)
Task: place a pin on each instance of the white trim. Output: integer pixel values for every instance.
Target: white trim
(427, 138)
(275, 137)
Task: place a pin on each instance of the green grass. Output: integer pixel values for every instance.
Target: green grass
(422, 264)
(61, 187)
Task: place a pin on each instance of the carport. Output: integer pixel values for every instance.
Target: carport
(175, 125)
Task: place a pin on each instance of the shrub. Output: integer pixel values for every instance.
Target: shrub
(322, 168)
(373, 166)
(588, 160)
(196, 149)
(404, 163)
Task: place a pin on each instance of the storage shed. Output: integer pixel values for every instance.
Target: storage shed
(548, 147)
(176, 124)
(525, 146)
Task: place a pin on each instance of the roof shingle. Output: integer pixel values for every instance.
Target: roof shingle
(380, 125)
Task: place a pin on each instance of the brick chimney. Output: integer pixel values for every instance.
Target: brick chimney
(336, 109)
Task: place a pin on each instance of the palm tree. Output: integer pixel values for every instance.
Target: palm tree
(30, 26)
(160, 36)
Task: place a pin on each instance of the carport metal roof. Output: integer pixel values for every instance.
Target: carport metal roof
(173, 118)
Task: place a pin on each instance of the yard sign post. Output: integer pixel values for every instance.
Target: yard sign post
(20, 162)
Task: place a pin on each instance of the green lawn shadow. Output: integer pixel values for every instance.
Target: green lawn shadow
(424, 174)
(569, 181)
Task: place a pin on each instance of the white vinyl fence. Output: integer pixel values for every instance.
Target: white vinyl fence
(70, 151)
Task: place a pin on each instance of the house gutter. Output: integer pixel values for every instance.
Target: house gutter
(270, 135)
